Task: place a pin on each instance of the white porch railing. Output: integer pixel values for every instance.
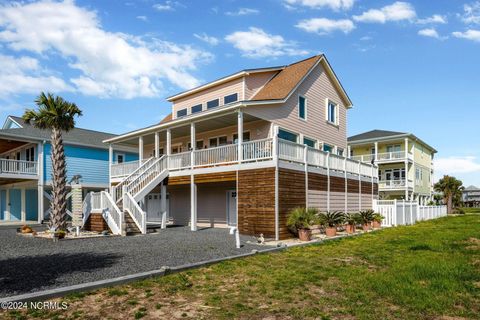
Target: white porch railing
(116, 191)
(216, 156)
(261, 150)
(137, 214)
(364, 158)
(394, 184)
(22, 167)
(125, 168)
(390, 156)
(406, 212)
(103, 202)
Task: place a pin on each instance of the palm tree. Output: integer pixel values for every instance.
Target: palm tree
(451, 188)
(57, 115)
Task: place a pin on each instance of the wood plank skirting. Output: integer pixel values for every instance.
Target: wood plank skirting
(96, 223)
(291, 194)
(256, 202)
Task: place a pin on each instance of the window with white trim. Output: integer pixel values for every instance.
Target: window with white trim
(213, 103)
(120, 157)
(332, 112)
(181, 113)
(197, 108)
(302, 107)
(246, 137)
(309, 142)
(286, 135)
(340, 152)
(230, 98)
(327, 147)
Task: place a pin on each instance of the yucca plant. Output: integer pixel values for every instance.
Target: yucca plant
(332, 219)
(352, 218)
(377, 220)
(300, 220)
(366, 216)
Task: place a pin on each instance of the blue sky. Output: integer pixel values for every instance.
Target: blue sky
(408, 66)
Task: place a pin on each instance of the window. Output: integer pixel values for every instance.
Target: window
(285, 135)
(212, 103)
(418, 175)
(309, 142)
(197, 108)
(332, 112)
(340, 151)
(230, 98)
(181, 113)
(198, 145)
(246, 137)
(218, 141)
(302, 107)
(327, 147)
(120, 158)
(394, 148)
(30, 154)
(176, 149)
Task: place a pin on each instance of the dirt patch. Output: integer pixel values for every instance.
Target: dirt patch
(473, 244)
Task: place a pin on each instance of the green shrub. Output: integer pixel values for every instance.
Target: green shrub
(301, 218)
(332, 218)
(366, 216)
(458, 211)
(377, 217)
(352, 218)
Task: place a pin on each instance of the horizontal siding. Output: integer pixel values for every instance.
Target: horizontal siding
(317, 199)
(220, 91)
(90, 163)
(256, 81)
(317, 87)
(337, 201)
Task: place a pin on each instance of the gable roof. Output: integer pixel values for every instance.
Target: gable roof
(77, 136)
(471, 188)
(286, 80)
(374, 134)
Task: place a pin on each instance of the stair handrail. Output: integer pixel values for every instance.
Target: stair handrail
(133, 209)
(111, 213)
(140, 181)
(117, 190)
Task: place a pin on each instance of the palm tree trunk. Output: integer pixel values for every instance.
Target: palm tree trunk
(449, 203)
(58, 204)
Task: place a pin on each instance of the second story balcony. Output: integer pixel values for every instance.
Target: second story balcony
(386, 185)
(385, 157)
(18, 169)
(253, 154)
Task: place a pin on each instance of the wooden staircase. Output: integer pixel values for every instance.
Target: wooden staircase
(129, 226)
(96, 223)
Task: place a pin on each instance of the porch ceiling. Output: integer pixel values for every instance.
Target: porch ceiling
(4, 181)
(211, 124)
(6, 145)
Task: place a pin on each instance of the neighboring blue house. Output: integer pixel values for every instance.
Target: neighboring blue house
(26, 170)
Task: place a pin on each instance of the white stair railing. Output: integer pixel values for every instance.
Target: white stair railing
(134, 210)
(117, 190)
(146, 177)
(86, 208)
(103, 202)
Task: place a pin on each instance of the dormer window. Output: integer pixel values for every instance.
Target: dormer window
(230, 98)
(181, 113)
(213, 103)
(197, 108)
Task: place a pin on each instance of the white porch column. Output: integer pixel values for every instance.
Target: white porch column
(23, 205)
(157, 145)
(406, 147)
(240, 135)
(40, 157)
(140, 148)
(163, 204)
(376, 151)
(349, 152)
(193, 144)
(169, 142)
(193, 204)
(110, 161)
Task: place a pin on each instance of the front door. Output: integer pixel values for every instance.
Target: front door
(3, 203)
(232, 207)
(15, 203)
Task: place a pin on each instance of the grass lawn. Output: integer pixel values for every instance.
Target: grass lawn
(427, 271)
(472, 210)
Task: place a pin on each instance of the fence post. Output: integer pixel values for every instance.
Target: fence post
(395, 212)
(404, 214)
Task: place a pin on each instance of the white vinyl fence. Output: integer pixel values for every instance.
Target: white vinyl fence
(401, 212)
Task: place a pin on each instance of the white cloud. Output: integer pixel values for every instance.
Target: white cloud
(110, 64)
(365, 38)
(166, 6)
(397, 11)
(429, 32)
(24, 75)
(436, 18)
(471, 13)
(454, 165)
(470, 34)
(318, 4)
(256, 43)
(242, 12)
(324, 26)
(206, 38)
(143, 18)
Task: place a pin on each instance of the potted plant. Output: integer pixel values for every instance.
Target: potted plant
(366, 218)
(300, 221)
(26, 229)
(377, 220)
(351, 220)
(331, 220)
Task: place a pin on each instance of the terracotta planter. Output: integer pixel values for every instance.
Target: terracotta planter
(377, 224)
(304, 234)
(331, 232)
(366, 227)
(350, 228)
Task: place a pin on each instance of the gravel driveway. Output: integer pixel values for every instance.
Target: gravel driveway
(33, 264)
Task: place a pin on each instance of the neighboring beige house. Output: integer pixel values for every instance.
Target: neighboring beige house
(405, 163)
(243, 151)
